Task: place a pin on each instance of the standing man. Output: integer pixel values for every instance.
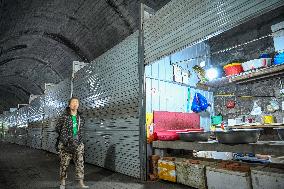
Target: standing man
(70, 143)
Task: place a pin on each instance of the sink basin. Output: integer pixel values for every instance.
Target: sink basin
(280, 132)
(194, 136)
(238, 136)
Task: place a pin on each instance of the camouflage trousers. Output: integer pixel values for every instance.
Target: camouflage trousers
(78, 158)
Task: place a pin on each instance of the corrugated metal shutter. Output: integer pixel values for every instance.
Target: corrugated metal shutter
(22, 122)
(182, 23)
(56, 100)
(34, 130)
(36, 109)
(109, 93)
(23, 116)
(2, 125)
(12, 124)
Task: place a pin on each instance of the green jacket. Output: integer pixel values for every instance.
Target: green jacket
(64, 129)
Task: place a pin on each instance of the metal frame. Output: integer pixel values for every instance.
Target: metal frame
(144, 13)
(142, 99)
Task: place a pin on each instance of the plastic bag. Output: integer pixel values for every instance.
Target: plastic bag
(203, 102)
(199, 103)
(256, 110)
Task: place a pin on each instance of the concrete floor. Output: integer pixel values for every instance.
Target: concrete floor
(24, 168)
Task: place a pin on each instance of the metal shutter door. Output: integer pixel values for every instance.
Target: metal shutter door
(182, 23)
(109, 93)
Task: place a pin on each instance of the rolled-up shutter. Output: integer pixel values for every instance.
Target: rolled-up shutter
(184, 22)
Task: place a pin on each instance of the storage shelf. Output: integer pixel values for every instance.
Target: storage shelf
(256, 126)
(261, 147)
(249, 76)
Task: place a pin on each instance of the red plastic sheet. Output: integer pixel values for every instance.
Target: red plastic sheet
(175, 121)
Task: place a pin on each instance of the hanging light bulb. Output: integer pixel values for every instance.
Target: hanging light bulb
(211, 73)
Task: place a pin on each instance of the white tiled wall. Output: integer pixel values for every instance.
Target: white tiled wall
(162, 94)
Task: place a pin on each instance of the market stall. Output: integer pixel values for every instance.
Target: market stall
(213, 88)
(230, 87)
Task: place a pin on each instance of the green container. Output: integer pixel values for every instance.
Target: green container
(215, 120)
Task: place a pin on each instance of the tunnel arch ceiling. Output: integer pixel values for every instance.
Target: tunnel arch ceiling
(40, 39)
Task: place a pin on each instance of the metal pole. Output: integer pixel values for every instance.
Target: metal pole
(142, 98)
(71, 93)
(72, 77)
(42, 121)
(2, 131)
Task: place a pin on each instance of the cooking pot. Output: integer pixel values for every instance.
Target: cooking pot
(194, 136)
